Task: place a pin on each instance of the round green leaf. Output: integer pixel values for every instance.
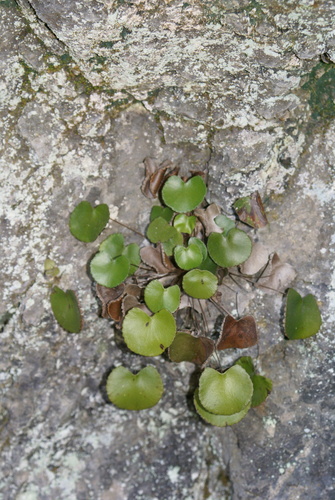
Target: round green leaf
(157, 297)
(132, 252)
(65, 307)
(185, 223)
(218, 420)
(200, 284)
(159, 230)
(208, 265)
(86, 222)
(148, 335)
(224, 222)
(113, 245)
(303, 318)
(189, 257)
(225, 393)
(158, 211)
(262, 387)
(231, 249)
(108, 271)
(200, 244)
(134, 392)
(184, 196)
(170, 244)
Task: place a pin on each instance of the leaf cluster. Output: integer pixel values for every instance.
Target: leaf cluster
(157, 294)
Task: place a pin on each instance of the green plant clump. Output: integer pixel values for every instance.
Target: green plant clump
(159, 295)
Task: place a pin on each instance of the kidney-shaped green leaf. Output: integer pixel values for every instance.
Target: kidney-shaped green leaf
(108, 271)
(184, 196)
(148, 335)
(159, 230)
(157, 297)
(302, 318)
(200, 284)
(65, 307)
(262, 385)
(231, 249)
(132, 252)
(159, 211)
(225, 393)
(188, 257)
(86, 222)
(134, 392)
(185, 223)
(218, 420)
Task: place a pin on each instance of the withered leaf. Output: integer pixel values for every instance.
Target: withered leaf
(113, 310)
(109, 294)
(155, 176)
(277, 275)
(186, 347)
(237, 333)
(207, 216)
(259, 257)
(130, 301)
(155, 258)
(250, 210)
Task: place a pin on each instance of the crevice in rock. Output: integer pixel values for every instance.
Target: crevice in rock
(41, 28)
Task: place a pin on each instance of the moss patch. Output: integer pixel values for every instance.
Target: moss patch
(321, 86)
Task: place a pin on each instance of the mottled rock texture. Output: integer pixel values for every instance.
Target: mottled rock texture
(88, 89)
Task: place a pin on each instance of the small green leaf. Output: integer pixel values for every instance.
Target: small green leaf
(134, 392)
(159, 230)
(113, 245)
(200, 244)
(184, 196)
(230, 250)
(86, 222)
(262, 387)
(186, 347)
(157, 297)
(302, 318)
(218, 420)
(107, 271)
(148, 335)
(184, 223)
(208, 265)
(200, 284)
(132, 252)
(224, 222)
(66, 310)
(158, 211)
(225, 393)
(189, 257)
(50, 269)
(170, 244)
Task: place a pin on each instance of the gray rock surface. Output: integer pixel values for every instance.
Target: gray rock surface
(88, 89)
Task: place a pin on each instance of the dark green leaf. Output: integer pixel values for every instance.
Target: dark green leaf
(184, 196)
(186, 347)
(302, 318)
(159, 230)
(159, 211)
(66, 310)
(230, 250)
(86, 222)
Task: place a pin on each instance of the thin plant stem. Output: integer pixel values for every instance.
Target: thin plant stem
(127, 227)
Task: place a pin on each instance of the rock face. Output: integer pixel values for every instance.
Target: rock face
(88, 89)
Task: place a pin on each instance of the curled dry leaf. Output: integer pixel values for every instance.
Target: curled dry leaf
(108, 297)
(237, 333)
(277, 275)
(250, 210)
(207, 216)
(155, 176)
(259, 257)
(155, 258)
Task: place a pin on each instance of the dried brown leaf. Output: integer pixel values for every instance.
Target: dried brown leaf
(207, 216)
(237, 333)
(153, 258)
(259, 257)
(250, 210)
(277, 275)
